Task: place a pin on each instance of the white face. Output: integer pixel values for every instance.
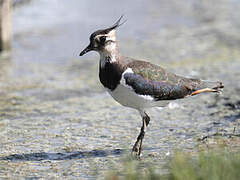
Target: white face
(111, 46)
(112, 35)
(106, 42)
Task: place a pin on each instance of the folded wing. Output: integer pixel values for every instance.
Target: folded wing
(150, 79)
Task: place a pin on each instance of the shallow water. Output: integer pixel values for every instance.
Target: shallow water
(56, 120)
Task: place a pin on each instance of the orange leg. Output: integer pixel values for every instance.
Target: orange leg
(203, 90)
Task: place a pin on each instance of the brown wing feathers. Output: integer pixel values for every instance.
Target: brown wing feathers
(150, 79)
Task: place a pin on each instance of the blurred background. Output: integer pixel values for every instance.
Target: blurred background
(52, 103)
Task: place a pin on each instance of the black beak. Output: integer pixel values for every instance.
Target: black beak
(87, 49)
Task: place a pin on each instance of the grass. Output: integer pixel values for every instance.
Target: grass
(183, 166)
(214, 166)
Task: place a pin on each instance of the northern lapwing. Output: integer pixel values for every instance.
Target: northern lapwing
(139, 84)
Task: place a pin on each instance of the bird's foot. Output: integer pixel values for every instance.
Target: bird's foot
(136, 150)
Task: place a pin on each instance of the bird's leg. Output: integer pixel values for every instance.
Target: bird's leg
(137, 148)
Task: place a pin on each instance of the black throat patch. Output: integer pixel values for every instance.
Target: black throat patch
(110, 74)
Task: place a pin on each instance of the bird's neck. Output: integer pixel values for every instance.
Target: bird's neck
(112, 56)
(108, 55)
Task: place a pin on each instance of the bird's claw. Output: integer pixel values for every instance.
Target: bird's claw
(136, 151)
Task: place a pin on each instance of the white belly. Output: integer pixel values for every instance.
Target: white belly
(127, 97)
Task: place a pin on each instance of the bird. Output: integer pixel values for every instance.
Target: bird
(139, 84)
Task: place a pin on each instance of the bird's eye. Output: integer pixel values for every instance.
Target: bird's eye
(102, 39)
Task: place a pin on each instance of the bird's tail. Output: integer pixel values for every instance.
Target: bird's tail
(209, 86)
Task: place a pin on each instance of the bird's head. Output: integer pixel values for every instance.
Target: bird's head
(103, 40)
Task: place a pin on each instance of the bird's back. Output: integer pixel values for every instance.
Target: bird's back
(151, 79)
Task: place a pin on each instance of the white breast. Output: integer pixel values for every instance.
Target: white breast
(126, 96)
